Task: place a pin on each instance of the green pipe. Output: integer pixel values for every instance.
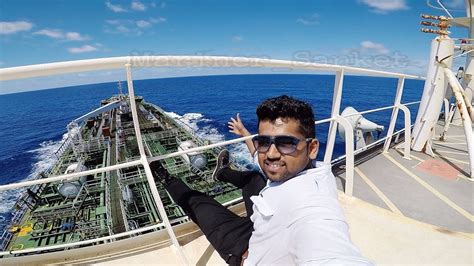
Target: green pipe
(148, 197)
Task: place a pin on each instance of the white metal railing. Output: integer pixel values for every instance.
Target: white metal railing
(179, 61)
(84, 242)
(193, 61)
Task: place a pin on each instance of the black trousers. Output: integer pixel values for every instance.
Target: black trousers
(227, 232)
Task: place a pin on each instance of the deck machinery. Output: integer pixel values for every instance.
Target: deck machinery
(117, 201)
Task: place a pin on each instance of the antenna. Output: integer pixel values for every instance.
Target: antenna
(442, 24)
(441, 7)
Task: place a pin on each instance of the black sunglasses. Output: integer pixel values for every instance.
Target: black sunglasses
(284, 144)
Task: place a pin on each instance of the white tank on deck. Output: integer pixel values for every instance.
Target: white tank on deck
(196, 159)
(70, 189)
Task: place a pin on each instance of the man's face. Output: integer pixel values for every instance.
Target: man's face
(281, 167)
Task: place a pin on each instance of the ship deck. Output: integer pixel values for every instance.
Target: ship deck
(433, 190)
(404, 211)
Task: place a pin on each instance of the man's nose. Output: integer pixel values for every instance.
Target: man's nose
(273, 152)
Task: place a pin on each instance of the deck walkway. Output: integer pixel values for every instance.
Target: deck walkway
(435, 191)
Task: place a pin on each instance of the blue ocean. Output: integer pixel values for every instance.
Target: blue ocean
(33, 123)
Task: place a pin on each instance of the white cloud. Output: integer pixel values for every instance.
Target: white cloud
(384, 6)
(115, 8)
(309, 20)
(83, 49)
(157, 20)
(373, 47)
(14, 27)
(237, 38)
(131, 27)
(61, 35)
(123, 29)
(143, 23)
(75, 36)
(113, 21)
(138, 6)
(55, 34)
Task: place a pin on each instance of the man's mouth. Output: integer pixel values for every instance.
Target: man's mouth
(274, 166)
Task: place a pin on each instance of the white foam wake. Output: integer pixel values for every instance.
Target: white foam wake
(44, 159)
(192, 121)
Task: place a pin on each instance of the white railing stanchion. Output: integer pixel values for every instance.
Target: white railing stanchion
(393, 119)
(406, 145)
(161, 210)
(146, 167)
(336, 106)
(349, 186)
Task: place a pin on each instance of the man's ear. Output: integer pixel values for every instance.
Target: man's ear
(313, 149)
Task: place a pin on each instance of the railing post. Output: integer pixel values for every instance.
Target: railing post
(349, 187)
(146, 167)
(406, 145)
(336, 106)
(393, 119)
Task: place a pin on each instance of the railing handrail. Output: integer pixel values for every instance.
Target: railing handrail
(191, 61)
(98, 64)
(85, 242)
(66, 177)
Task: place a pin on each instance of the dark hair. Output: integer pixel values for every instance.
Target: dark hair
(287, 107)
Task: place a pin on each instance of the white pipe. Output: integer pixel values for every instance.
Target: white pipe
(97, 64)
(466, 120)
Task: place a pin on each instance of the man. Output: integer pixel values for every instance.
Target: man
(295, 217)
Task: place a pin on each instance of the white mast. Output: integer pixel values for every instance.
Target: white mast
(442, 50)
(439, 74)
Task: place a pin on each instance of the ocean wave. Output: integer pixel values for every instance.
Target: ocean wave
(44, 159)
(202, 128)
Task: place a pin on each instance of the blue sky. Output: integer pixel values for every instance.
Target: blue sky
(350, 32)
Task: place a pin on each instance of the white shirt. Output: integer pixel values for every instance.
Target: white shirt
(301, 222)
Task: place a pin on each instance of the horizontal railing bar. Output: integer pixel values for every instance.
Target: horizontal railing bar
(201, 148)
(97, 64)
(85, 242)
(368, 146)
(160, 157)
(411, 103)
(380, 109)
(70, 176)
(324, 121)
(128, 233)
